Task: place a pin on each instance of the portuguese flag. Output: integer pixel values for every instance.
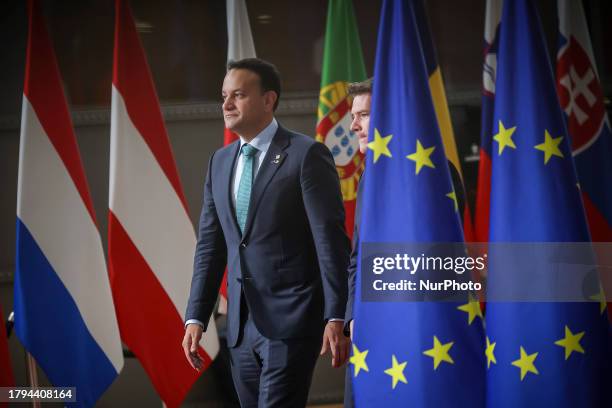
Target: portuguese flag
(342, 64)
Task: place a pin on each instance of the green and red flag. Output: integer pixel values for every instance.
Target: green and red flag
(342, 64)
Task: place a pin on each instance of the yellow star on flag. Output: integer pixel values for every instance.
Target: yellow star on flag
(550, 147)
(601, 298)
(358, 360)
(396, 371)
(504, 138)
(453, 197)
(421, 157)
(571, 342)
(439, 352)
(525, 363)
(472, 308)
(380, 145)
(490, 353)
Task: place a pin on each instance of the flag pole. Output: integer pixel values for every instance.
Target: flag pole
(32, 372)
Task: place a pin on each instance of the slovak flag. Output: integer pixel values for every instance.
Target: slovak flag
(64, 314)
(151, 237)
(581, 97)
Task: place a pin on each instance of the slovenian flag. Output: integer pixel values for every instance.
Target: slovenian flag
(489, 72)
(64, 314)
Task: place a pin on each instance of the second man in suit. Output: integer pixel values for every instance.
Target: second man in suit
(360, 124)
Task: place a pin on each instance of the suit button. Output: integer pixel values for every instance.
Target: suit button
(243, 245)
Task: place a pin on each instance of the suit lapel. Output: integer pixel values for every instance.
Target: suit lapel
(230, 165)
(272, 161)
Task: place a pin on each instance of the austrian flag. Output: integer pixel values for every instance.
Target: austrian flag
(151, 238)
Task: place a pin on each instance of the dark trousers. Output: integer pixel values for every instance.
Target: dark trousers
(272, 373)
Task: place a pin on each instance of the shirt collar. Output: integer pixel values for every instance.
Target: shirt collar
(264, 138)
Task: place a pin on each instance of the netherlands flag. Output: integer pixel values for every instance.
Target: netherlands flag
(64, 313)
(151, 237)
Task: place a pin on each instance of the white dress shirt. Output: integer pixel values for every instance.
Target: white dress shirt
(262, 143)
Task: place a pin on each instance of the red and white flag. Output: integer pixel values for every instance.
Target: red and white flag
(151, 237)
(239, 42)
(239, 37)
(239, 46)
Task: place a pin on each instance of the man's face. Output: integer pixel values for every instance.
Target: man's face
(246, 109)
(360, 112)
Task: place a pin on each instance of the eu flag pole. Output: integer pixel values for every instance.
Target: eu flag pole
(537, 353)
(410, 354)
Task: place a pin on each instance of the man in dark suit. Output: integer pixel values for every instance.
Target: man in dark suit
(273, 211)
(360, 114)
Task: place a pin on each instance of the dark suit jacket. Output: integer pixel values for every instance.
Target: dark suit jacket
(352, 269)
(292, 259)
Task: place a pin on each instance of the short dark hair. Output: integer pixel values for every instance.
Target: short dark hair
(268, 74)
(360, 88)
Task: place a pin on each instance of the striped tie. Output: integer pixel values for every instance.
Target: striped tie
(244, 188)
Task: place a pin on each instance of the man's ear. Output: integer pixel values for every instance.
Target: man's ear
(270, 98)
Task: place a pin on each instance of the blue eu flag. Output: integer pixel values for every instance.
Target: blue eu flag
(538, 354)
(410, 354)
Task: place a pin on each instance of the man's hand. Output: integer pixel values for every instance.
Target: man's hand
(193, 334)
(335, 340)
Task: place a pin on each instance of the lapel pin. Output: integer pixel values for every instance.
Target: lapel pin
(276, 159)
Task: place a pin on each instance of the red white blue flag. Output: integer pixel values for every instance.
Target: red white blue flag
(64, 314)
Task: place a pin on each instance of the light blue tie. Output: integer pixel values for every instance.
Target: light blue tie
(244, 188)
